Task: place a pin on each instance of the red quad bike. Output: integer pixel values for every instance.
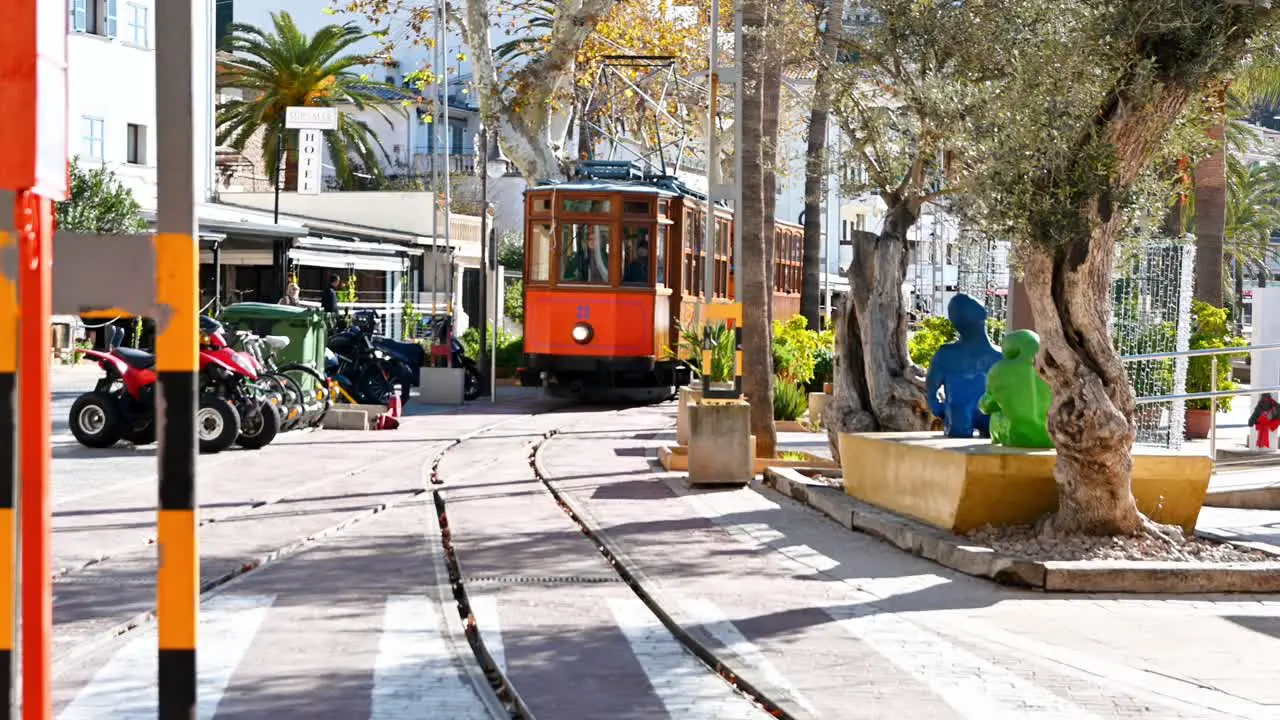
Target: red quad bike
(122, 406)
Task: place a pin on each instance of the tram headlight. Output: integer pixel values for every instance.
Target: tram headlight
(582, 333)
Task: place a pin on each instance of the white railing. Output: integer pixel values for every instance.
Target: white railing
(1214, 393)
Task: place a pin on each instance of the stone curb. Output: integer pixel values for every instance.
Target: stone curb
(1089, 576)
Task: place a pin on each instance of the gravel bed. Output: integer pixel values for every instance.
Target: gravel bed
(1024, 541)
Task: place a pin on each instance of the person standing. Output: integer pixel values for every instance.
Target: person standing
(292, 295)
(329, 300)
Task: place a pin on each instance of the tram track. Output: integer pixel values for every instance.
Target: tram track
(427, 472)
(499, 681)
(249, 508)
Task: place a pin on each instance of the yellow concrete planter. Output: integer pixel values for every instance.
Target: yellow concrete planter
(960, 484)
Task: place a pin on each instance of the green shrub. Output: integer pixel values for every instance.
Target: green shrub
(824, 370)
(1211, 333)
(789, 400)
(513, 302)
(510, 351)
(934, 332)
(800, 353)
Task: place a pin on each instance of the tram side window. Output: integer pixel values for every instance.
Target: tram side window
(584, 254)
(540, 254)
(660, 250)
(636, 247)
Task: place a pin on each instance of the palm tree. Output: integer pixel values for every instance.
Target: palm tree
(1252, 216)
(286, 68)
(1258, 81)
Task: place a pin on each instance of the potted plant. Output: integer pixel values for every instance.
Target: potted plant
(1210, 333)
(723, 360)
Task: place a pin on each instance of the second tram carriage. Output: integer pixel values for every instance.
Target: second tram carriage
(614, 264)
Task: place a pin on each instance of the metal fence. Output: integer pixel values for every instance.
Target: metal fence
(982, 273)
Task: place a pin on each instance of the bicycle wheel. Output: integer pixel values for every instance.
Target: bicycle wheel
(316, 396)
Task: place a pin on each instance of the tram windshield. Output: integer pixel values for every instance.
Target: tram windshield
(584, 254)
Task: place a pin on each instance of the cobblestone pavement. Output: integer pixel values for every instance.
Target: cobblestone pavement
(859, 629)
(829, 623)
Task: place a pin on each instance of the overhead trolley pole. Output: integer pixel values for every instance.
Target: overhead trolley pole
(176, 287)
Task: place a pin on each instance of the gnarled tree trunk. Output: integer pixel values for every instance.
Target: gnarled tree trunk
(1069, 290)
(1068, 283)
(877, 387)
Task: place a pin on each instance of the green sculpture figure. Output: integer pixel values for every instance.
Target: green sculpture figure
(1017, 398)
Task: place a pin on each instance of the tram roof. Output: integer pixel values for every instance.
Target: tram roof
(654, 185)
(585, 185)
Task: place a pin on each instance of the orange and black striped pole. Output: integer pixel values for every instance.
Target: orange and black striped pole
(178, 574)
(8, 453)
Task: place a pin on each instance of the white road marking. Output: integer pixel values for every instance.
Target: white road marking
(485, 610)
(125, 688)
(680, 681)
(972, 686)
(706, 613)
(415, 674)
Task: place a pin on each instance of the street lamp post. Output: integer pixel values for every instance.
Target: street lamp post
(484, 257)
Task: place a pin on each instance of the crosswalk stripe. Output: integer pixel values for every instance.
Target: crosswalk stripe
(485, 610)
(972, 686)
(415, 674)
(680, 681)
(707, 614)
(125, 688)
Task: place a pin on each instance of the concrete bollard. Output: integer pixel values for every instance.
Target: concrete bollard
(720, 444)
(817, 406)
(688, 396)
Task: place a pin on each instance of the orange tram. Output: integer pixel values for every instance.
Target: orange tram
(614, 264)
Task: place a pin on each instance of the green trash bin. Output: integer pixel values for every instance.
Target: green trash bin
(306, 328)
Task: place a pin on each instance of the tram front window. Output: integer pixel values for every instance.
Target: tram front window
(584, 254)
(635, 255)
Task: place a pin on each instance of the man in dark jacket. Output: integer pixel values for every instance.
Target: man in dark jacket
(329, 300)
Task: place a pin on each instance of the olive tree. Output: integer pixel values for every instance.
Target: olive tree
(915, 76)
(1072, 167)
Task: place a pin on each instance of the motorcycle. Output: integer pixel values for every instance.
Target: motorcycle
(233, 374)
(364, 372)
(122, 405)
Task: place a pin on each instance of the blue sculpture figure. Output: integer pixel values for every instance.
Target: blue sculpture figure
(959, 370)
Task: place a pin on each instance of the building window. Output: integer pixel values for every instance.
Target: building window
(91, 137)
(136, 154)
(109, 18)
(138, 31)
(80, 15)
(96, 17)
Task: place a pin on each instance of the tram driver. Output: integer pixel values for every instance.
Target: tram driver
(637, 271)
